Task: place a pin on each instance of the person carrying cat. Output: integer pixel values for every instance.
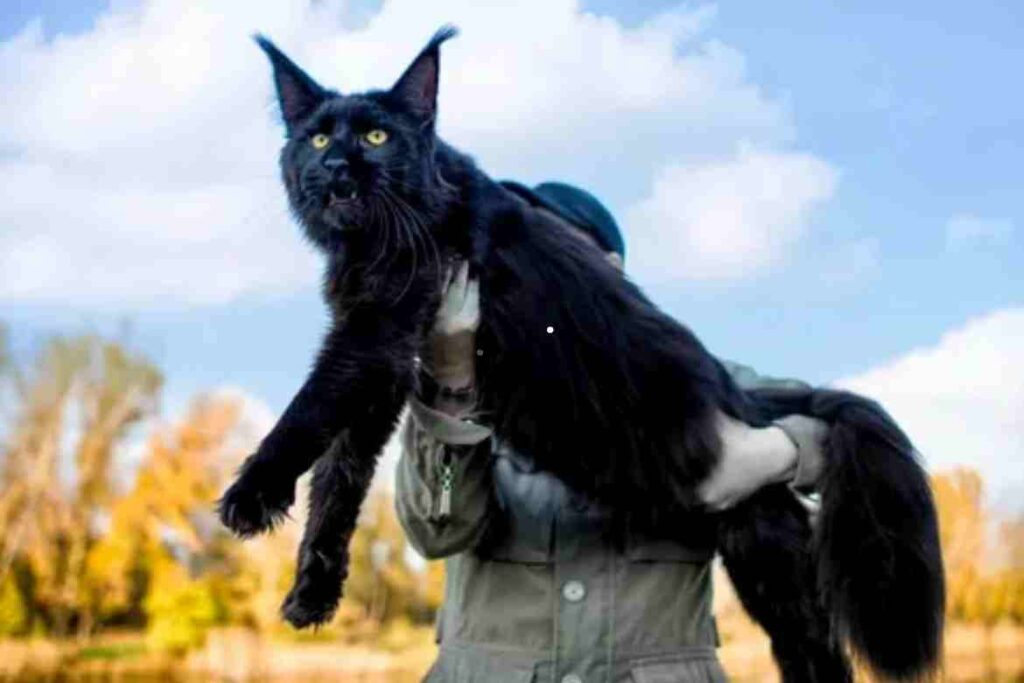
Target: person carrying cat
(536, 588)
(589, 382)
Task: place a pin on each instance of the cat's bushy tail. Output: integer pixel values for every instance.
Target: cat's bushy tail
(876, 543)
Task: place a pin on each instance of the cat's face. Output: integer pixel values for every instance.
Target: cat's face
(352, 161)
(357, 163)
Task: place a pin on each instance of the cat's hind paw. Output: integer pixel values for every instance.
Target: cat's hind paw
(314, 598)
(250, 506)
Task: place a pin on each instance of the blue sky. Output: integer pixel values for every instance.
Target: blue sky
(900, 125)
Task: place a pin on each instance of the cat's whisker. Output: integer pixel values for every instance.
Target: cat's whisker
(392, 180)
(420, 230)
(382, 249)
(385, 225)
(408, 220)
(389, 219)
(393, 215)
(412, 270)
(410, 224)
(399, 226)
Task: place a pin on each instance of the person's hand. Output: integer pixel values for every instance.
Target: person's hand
(460, 307)
(452, 344)
(751, 459)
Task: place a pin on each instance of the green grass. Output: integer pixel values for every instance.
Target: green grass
(112, 651)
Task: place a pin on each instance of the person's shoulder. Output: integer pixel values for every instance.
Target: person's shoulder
(747, 378)
(744, 375)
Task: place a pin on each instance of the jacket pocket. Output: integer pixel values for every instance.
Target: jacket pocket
(693, 668)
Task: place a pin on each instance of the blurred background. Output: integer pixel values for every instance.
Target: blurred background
(829, 191)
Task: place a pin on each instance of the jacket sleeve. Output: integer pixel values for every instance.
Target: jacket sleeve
(808, 434)
(444, 493)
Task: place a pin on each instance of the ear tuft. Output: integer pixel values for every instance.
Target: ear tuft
(443, 34)
(297, 93)
(417, 86)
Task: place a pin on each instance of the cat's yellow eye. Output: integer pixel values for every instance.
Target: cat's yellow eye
(319, 141)
(376, 137)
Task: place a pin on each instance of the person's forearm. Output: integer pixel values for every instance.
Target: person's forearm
(750, 458)
(791, 450)
(788, 451)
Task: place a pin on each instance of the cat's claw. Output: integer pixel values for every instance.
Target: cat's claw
(248, 509)
(302, 612)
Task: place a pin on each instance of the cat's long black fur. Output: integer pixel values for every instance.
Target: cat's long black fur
(764, 546)
(578, 369)
(876, 549)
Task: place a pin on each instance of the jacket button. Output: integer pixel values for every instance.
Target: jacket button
(573, 591)
(571, 678)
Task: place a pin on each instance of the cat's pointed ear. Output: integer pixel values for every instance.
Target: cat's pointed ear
(297, 93)
(417, 86)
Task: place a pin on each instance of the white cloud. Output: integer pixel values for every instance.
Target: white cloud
(961, 400)
(138, 159)
(966, 230)
(733, 218)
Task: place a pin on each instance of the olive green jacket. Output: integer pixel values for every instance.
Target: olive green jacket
(534, 591)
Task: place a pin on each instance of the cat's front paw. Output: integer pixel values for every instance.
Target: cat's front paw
(314, 598)
(256, 502)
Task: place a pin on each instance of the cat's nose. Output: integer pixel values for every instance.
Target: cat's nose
(342, 182)
(335, 164)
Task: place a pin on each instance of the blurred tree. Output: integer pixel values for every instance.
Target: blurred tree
(1012, 533)
(381, 582)
(80, 549)
(160, 556)
(962, 523)
(117, 390)
(984, 583)
(180, 609)
(13, 611)
(1012, 540)
(77, 402)
(432, 587)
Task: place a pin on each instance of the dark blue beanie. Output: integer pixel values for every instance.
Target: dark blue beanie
(579, 207)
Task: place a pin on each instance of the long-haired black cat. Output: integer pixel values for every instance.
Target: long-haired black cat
(618, 401)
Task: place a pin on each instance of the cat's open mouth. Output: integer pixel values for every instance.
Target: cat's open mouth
(336, 199)
(342, 208)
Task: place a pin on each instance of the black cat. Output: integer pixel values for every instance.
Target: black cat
(617, 400)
